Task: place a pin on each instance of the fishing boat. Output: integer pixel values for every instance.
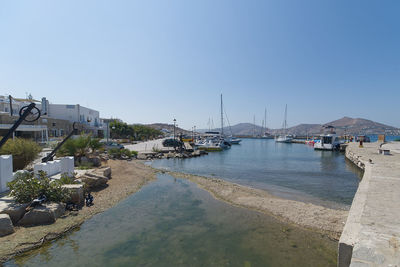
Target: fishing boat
(210, 145)
(235, 141)
(328, 141)
(284, 137)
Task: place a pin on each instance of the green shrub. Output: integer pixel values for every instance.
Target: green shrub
(115, 152)
(24, 151)
(66, 179)
(80, 147)
(119, 153)
(85, 166)
(134, 153)
(126, 153)
(25, 188)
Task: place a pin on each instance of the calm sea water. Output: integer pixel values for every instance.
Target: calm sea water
(292, 171)
(172, 222)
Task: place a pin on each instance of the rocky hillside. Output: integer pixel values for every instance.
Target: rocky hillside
(347, 125)
(344, 125)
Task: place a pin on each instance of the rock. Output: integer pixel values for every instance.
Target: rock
(6, 226)
(196, 153)
(107, 172)
(170, 155)
(96, 161)
(76, 192)
(93, 180)
(43, 214)
(142, 156)
(13, 209)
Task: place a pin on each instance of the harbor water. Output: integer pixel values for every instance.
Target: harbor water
(293, 171)
(171, 222)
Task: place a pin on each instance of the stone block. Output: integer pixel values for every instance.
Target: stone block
(6, 226)
(43, 214)
(13, 209)
(67, 165)
(6, 171)
(76, 191)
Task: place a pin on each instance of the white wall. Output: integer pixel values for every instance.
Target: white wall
(63, 165)
(6, 174)
(74, 113)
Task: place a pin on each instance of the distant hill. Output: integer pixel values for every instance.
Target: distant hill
(344, 125)
(240, 129)
(168, 127)
(347, 125)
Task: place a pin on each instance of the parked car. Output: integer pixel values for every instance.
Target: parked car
(109, 145)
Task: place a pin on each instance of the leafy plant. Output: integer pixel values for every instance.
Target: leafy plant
(80, 147)
(119, 153)
(24, 151)
(121, 130)
(67, 179)
(85, 166)
(25, 188)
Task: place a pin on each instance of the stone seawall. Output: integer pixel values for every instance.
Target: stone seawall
(371, 236)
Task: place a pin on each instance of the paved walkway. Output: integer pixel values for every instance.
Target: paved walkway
(147, 147)
(371, 236)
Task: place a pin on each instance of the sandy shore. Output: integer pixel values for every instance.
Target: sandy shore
(127, 178)
(324, 220)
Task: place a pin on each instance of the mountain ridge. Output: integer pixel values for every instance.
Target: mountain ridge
(345, 125)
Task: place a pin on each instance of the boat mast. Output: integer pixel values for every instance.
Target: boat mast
(284, 122)
(222, 118)
(254, 126)
(265, 121)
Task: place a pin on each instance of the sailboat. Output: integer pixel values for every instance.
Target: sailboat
(215, 141)
(284, 137)
(264, 133)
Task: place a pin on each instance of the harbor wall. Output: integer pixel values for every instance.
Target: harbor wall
(372, 230)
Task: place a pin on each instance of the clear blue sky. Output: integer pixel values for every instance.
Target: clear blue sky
(152, 61)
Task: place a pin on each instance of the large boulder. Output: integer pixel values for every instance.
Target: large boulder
(13, 209)
(76, 193)
(142, 156)
(105, 171)
(96, 161)
(6, 226)
(43, 214)
(93, 180)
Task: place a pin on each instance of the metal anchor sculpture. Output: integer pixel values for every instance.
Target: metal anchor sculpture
(28, 113)
(50, 156)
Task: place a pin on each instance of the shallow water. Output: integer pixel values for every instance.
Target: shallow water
(172, 222)
(292, 171)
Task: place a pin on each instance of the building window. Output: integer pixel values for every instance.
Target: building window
(70, 106)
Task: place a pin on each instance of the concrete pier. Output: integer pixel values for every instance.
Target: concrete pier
(371, 236)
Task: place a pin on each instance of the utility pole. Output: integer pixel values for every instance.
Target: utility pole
(174, 127)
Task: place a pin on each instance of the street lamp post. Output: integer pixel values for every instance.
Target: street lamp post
(174, 127)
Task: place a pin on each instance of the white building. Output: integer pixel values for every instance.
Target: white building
(72, 113)
(86, 117)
